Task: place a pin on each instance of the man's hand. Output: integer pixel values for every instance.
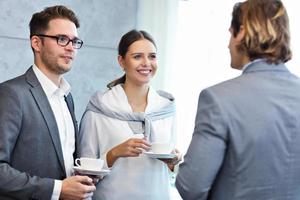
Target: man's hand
(77, 188)
(95, 178)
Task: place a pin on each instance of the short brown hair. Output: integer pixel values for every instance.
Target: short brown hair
(39, 21)
(266, 27)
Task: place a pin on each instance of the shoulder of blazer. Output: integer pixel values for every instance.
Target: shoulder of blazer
(28, 79)
(31, 78)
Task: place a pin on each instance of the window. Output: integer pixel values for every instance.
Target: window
(202, 58)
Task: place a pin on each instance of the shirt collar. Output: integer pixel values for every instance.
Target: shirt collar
(49, 87)
(249, 63)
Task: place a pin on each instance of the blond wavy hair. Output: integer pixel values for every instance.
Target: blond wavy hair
(266, 26)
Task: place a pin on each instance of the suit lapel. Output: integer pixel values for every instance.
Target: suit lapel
(45, 108)
(70, 104)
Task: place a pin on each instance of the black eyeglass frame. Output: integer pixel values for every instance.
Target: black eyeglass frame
(58, 41)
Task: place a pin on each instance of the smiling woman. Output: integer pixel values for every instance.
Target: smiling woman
(121, 123)
(139, 66)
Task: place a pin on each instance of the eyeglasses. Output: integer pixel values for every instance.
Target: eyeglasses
(64, 40)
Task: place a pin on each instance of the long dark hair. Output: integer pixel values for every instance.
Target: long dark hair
(125, 42)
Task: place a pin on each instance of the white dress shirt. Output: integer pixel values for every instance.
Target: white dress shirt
(56, 97)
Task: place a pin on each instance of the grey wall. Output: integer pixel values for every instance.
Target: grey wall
(103, 22)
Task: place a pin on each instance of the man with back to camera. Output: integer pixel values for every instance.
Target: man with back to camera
(246, 141)
(38, 128)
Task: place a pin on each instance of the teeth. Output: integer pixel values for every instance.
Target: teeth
(144, 71)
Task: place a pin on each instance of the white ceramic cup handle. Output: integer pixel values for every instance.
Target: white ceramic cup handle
(76, 161)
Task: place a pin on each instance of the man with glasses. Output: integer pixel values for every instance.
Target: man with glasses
(38, 129)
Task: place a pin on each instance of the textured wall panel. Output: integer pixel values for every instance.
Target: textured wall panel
(103, 22)
(88, 76)
(15, 57)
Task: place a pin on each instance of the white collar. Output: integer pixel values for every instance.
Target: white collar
(49, 87)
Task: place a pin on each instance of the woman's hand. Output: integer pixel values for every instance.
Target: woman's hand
(130, 148)
(171, 162)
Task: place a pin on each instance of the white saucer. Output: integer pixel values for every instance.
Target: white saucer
(159, 155)
(101, 172)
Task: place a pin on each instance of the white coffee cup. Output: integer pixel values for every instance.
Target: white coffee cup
(89, 163)
(161, 147)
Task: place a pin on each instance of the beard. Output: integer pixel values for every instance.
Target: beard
(53, 65)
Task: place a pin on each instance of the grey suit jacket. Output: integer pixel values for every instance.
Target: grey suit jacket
(30, 149)
(246, 141)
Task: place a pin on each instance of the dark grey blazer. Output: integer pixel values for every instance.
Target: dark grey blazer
(30, 149)
(246, 141)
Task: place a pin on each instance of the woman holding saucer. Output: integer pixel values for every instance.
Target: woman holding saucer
(121, 123)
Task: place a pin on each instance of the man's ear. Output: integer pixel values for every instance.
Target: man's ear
(241, 34)
(35, 43)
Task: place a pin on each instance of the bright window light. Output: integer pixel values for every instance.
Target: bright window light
(202, 58)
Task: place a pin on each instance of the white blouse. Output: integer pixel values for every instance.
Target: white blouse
(132, 178)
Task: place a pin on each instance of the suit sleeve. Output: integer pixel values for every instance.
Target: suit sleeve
(206, 151)
(14, 183)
